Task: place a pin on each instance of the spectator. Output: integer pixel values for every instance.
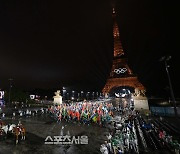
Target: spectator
(3, 115)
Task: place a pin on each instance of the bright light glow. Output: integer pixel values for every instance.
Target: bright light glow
(117, 95)
(1, 94)
(32, 96)
(123, 95)
(114, 10)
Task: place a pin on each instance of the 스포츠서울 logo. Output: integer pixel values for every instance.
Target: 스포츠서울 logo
(66, 139)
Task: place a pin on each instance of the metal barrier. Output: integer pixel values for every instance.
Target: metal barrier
(164, 111)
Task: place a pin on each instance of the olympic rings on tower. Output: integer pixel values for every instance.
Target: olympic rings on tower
(120, 70)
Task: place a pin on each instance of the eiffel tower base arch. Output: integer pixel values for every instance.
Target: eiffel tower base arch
(139, 97)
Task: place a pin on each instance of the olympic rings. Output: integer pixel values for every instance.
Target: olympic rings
(120, 70)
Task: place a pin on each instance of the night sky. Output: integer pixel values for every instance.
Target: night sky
(50, 44)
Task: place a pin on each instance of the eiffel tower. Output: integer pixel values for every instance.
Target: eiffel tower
(121, 75)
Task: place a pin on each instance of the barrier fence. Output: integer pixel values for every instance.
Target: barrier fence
(164, 111)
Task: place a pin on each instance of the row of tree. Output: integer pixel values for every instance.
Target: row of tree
(17, 95)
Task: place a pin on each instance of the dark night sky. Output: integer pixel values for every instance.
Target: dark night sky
(49, 44)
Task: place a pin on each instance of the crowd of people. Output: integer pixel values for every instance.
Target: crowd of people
(122, 138)
(127, 125)
(24, 113)
(83, 112)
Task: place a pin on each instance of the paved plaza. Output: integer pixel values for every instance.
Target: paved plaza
(41, 125)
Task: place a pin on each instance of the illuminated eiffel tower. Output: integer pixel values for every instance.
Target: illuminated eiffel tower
(121, 75)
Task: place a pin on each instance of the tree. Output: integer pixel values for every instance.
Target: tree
(17, 95)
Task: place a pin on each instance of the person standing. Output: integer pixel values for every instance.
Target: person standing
(14, 114)
(3, 116)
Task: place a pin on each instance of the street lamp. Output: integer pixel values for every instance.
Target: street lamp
(64, 93)
(82, 94)
(93, 95)
(10, 86)
(73, 95)
(78, 96)
(100, 95)
(73, 92)
(68, 96)
(165, 59)
(97, 94)
(87, 95)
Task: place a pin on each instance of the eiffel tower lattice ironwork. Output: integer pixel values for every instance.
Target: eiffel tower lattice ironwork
(121, 75)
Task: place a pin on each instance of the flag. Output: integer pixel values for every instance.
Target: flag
(94, 117)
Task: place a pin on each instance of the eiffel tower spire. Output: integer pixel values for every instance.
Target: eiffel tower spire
(118, 49)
